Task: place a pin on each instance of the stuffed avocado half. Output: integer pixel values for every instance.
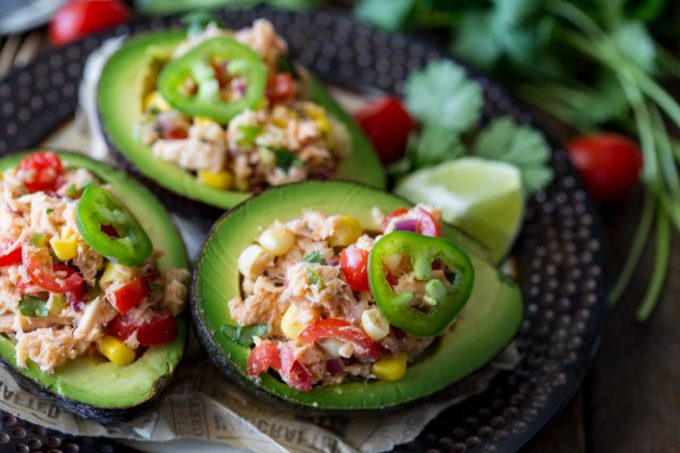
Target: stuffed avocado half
(216, 115)
(93, 275)
(308, 295)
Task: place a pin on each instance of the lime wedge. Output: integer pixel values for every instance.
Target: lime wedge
(484, 198)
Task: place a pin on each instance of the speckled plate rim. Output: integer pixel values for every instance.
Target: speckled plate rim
(41, 96)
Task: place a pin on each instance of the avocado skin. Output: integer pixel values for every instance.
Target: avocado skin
(363, 165)
(223, 358)
(87, 411)
(103, 415)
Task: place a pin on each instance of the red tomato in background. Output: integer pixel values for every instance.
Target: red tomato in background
(609, 164)
(354, 263)
(79, 18)
(387, 124)
(41, 171)
(281, 87)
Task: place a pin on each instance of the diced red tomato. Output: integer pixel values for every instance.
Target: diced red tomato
(10, 256)
(79, 18)
(55, 278)
(396, 213)
(365, 349)
(279, 358)
(130, 295)
(354, 263)
(427, 225)
(388, 125)
(41, 171)
(160, 330)
(175, 133)
(281, 87)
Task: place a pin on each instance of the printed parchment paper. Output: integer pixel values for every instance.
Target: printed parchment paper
(202, 404)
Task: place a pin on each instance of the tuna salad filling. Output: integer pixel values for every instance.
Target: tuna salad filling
(229, 108)
(324, 302)
(78, 275)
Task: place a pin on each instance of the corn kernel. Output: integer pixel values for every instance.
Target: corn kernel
(155, 100)
(64, 249)
(345, 232)
(314, 111)
(203, 122)
(253, 261)
(115, 273)
(374, 324)
(114, 350)
(277, 240)
(220, 180)
(292, 323)
(390, 368)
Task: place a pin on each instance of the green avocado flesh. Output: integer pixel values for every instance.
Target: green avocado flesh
(105, 385)
(130, 74)
(484, 327)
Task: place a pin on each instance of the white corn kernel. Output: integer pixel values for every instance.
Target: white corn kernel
(332, 346)
(374, 324)
(277, 240)
(253, 261)
(393, 262)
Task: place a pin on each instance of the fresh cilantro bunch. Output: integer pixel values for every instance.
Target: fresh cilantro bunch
(448, 104)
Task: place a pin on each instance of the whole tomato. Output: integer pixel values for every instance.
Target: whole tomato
(387, 124)
(609, 164)
(79, 18)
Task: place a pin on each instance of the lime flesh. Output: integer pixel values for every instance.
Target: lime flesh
(484, 198)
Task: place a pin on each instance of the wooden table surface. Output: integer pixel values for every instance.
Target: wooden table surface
(630, 401)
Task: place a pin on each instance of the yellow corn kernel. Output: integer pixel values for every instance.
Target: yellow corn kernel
(253, 261)
(318, 114)
(64, 248)
(203, 122)
(390, 368)
(277, 240)
(281, 116)
(155, 100)
(374, 324)
(291, 324)
(115, 273)
(114, 350)
(345, 232)
(217, 180)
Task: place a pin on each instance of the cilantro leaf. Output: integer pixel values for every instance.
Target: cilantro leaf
(441, 94)
(33, 307)
(475, 41)
(436, 144)
(250, 133)
(389, 16)
(243, 335)
(314, 257)
(633, 40)
(285, 158)
(522, 146)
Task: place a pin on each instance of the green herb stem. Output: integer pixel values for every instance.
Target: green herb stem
(663, 243)
(637, 247)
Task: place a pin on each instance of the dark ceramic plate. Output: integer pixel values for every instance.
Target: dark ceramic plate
(562, 273)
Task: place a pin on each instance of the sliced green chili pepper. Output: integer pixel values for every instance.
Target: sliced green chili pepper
(195, 67)
(98, 209)
(442, 302)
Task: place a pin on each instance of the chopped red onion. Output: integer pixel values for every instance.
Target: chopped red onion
(335, 366)
(333, 262)
(356, 311)
(397, 333)
(407, 225)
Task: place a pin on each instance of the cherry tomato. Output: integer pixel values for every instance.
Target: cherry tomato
(55, 278)
(365, 349)
(609, 164)
(354, 263)
(79, 18)
(282, 359)
(387, 124)
(281, 87)
(427, 225)
(130, 295)
(41, 171)
(160, 330)
(10, 256)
